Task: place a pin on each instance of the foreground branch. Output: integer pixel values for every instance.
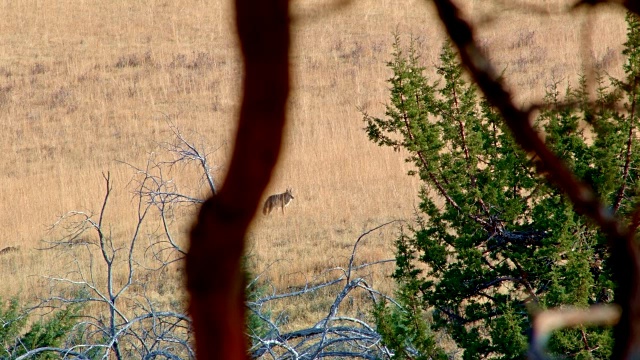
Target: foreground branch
(625, 257)
(217, 239)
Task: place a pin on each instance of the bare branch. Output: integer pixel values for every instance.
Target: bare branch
(186, 151)
(333, 335)
(305, 290)
(63, 352)
(355, 246)
(118, 329)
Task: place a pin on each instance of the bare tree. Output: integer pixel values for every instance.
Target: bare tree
(115, 274)
(187, 151)
(155, 184)
(125, 325)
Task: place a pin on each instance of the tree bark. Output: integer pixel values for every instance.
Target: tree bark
(214, 276)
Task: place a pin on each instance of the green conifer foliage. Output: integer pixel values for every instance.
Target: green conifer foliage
(493, 235)
(49, 333)
(16, 338)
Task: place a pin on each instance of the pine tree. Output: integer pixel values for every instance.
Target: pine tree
(494, 236)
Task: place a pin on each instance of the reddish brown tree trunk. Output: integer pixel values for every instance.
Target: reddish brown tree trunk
(215, 280)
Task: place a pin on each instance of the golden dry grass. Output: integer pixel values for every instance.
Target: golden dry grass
(83, 84)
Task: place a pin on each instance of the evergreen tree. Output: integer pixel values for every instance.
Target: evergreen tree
(16, 338)
(494, 236)
(49, 333)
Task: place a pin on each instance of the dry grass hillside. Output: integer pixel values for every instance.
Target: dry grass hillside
(85, 85)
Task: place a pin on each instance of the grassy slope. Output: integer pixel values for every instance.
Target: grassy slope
(83, 85)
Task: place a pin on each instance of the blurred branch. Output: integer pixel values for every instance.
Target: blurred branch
(546, 322)
(631, 5)
(625, 256)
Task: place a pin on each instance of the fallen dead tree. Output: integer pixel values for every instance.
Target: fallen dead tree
(334, 335)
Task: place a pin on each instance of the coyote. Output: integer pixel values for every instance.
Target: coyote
(277, 200)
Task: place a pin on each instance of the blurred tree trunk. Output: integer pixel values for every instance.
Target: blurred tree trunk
(215, 280)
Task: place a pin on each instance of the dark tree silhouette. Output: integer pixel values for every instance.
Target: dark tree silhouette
(215, 281)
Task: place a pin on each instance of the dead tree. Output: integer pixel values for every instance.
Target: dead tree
(334, 335)
(126, 321)
(124, 325)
